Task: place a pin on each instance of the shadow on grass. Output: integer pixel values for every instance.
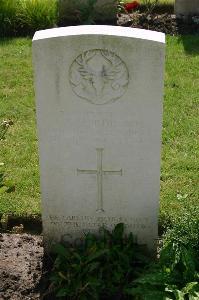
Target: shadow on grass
(4, 41)
(190, 43)
(31, 223)
(189, 35)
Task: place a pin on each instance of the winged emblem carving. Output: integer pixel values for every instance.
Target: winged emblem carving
(99, 76)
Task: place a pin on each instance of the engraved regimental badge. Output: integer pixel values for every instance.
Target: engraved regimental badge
(99, 76)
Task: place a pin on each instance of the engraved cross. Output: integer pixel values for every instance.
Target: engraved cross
(99, 172)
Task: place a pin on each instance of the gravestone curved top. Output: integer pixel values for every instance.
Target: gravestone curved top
(99, 113)
(100, 30)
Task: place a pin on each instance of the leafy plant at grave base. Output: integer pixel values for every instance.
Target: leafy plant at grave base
(113, 267)
(100, 268)
(36, 15)
(176, 275)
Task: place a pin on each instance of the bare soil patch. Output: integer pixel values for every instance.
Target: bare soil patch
(21, 266)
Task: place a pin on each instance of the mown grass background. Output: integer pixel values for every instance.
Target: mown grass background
(19, 153)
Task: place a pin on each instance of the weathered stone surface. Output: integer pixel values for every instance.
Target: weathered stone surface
(99, 114)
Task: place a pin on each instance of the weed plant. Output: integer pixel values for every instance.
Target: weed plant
(174, 277)
(113, 266)
(99, 268)
(176, 274)
(4, 125)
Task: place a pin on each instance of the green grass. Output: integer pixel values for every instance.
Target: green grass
(180, 127)
(19, 151)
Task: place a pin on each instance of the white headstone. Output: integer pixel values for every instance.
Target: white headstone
(99, 114)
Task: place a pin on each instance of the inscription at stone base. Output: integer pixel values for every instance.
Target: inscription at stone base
(92, 224)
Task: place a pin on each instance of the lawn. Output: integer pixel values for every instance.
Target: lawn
(19, 153)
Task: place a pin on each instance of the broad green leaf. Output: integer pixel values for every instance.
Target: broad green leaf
(96, 255)
(118, 231)
(154, 295)
(62, 292)
(192, 290)
(146, 293)
(54, 277)
(92, 249)
(62, 275)
(60, 250)
(133, 291)
(106, 235)
(93, 266)
(188, 260)
(191, 286)
(83, 297)
(179, 295)
(157, 278)
(170, 255)
(194, 297)
(75, 254)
